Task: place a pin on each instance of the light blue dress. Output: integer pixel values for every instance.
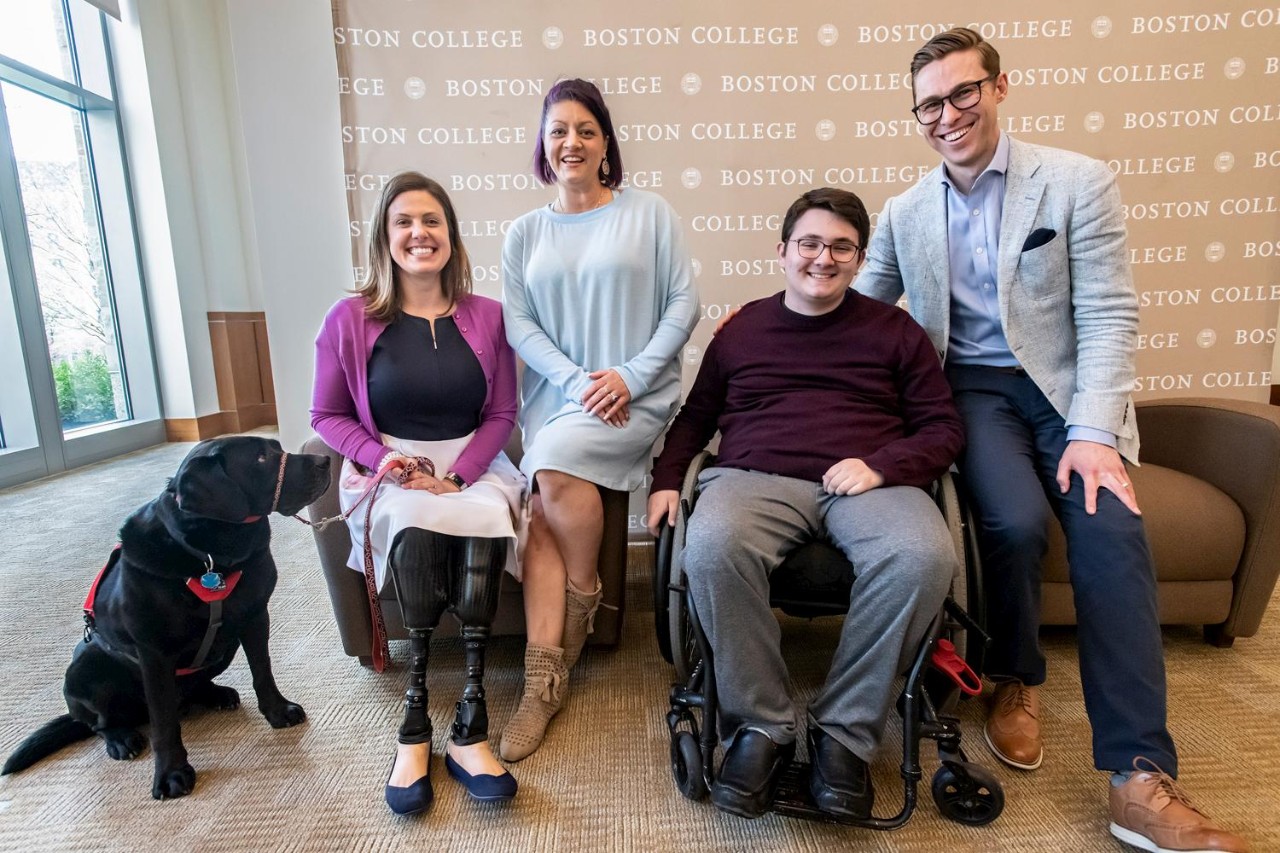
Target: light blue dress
(607, 288)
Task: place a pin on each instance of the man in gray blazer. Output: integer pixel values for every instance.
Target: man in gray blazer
(1013, 259)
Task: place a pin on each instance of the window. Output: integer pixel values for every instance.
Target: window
(75, 362)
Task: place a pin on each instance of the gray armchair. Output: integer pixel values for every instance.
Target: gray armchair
(351, 605)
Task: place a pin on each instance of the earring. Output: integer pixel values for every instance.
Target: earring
(604, 168)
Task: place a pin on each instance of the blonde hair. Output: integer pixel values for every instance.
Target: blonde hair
(381, 294)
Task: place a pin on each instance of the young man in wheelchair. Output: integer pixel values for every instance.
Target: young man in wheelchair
(833, 414)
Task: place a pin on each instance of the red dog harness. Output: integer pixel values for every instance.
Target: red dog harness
(210, 588)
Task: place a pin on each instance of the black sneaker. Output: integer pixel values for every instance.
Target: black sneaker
(749, 774)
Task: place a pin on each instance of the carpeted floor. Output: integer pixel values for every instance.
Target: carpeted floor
(602, 780)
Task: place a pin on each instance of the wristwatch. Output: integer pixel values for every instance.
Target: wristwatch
(456, 480)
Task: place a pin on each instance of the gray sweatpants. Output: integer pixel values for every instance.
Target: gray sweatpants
(744, 524)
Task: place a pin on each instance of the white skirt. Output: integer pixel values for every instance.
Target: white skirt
(492, 507)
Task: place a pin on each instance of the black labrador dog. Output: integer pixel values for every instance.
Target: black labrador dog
(186, 587)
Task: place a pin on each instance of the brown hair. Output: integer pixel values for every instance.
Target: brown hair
(381, 294)
(585, 93)
(954, 40)
(842, 203)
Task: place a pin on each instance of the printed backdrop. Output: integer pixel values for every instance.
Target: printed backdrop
(731, 108)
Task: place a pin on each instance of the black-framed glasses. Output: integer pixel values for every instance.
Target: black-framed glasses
(811, 249)
(962, 97)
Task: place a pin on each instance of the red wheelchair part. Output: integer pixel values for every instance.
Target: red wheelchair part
(945, 659)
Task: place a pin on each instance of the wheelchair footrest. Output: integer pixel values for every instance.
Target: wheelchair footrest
(792, 797)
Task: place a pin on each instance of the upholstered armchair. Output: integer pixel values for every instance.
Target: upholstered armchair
(1209, 488)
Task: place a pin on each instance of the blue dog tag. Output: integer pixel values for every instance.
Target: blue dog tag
(212, 580)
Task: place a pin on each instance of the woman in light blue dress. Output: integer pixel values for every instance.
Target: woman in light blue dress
(598, 300)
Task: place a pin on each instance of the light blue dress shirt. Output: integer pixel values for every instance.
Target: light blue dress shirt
(973, 252)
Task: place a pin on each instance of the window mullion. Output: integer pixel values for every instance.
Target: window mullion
(35, 80)
(26, 298)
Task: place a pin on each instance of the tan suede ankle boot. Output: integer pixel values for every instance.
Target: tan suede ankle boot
(546, 683)
(579, 619)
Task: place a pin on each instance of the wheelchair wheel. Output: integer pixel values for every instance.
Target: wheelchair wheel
(684, 645)
(966, 589)
(686, 765)
(661, 582)
(948, 500)
(966, 793)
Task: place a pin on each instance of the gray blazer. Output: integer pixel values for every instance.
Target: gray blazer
(1067, 301)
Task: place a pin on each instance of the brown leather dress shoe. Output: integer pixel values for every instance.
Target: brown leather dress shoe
(1013, 726)
(1151, 812)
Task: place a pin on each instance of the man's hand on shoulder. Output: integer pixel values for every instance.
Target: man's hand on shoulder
(662, 508)
(1099, 466)
(851, 477)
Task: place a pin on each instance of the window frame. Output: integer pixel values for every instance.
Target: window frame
(46, 449)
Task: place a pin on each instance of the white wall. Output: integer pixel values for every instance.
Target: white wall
(180, 114)
(145, 76)
(285, 72)
(246, 194)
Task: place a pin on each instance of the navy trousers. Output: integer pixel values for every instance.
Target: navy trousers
(1015, 439)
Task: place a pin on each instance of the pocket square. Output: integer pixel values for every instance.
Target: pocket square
(1038, 238)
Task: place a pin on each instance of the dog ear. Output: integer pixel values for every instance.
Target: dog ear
(203, 488)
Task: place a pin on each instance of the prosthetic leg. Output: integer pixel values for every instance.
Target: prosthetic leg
(475, 601)
(420, 563)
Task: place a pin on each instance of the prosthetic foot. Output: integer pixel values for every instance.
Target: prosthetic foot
(476, 588)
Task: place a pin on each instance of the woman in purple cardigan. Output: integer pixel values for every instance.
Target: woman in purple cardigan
(415, 381)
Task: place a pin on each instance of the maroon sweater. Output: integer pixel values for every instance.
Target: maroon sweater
(793, 395)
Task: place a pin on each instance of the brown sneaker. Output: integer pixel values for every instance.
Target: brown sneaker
(1151, 812)
(1013, 726)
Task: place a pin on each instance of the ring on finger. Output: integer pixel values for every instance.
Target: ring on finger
(614, 396)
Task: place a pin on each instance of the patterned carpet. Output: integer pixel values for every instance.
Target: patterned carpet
(601, 782)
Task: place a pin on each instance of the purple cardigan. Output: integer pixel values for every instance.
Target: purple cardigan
(340, 399)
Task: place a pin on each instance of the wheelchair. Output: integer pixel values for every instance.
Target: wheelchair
(815, 580)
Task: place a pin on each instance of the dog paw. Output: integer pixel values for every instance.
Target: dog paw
(221, 698)
(285, 715)
(171, 784)
(123, 744)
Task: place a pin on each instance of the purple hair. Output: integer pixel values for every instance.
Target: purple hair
(585, 93)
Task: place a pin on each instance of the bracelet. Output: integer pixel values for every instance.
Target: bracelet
(456, 480)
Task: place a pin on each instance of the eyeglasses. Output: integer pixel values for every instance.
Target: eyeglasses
(963, 97)
(811, 249)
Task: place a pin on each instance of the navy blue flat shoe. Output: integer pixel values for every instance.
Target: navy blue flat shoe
(485, 787)
(411, 799)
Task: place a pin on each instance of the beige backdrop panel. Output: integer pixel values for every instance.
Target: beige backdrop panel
(730, 109)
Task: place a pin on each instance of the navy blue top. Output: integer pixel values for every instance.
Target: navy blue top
(425, 388)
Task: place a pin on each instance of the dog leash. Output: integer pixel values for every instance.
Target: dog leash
(373, 485)
(380, 649)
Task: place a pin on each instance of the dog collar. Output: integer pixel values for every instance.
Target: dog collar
(275, 499)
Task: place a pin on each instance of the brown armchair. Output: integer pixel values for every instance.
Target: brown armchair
(1209, 488)
(351, 606)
